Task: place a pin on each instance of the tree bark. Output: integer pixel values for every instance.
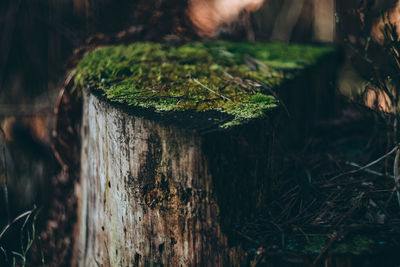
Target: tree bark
(156, 193)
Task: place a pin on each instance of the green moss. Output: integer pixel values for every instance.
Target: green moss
(316, 244)
(233, 78)
(354, 245)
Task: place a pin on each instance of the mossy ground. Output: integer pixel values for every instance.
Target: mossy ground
(355, 245)
(232, 78)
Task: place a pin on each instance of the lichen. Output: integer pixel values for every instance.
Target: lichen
(232, 78)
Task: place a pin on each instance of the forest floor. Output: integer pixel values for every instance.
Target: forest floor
(335, 200)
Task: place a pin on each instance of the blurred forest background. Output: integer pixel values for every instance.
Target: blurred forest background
(41, 39)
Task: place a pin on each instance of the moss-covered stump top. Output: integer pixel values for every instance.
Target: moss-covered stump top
(229, 83)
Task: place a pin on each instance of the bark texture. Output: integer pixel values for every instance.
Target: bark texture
(151, 193)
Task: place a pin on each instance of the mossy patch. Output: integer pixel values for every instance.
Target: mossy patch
(355, 245)
(232, 78)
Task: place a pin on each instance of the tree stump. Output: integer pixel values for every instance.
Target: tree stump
(182, 143)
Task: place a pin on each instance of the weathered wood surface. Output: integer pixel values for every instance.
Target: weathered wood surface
(148, 194)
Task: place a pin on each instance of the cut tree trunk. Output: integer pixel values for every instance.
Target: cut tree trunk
(157, 192)
(154, 193)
